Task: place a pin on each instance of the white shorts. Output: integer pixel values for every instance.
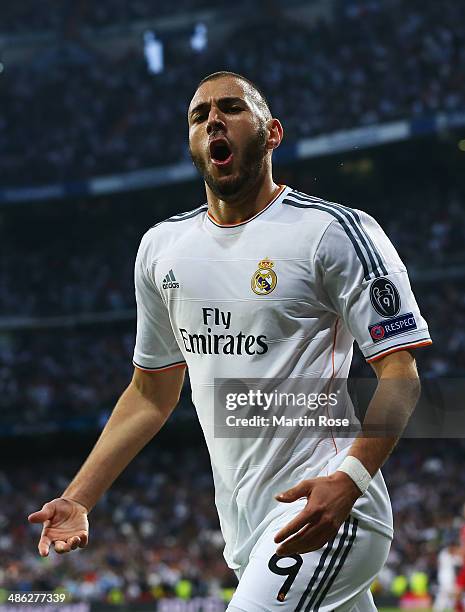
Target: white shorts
(335, 577)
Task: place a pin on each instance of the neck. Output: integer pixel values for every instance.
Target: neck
(242, 208)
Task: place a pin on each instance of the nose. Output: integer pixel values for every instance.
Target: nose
(215, 121)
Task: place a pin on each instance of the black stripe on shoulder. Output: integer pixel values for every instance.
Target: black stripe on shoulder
(378, 268)
(339, 566)
(183, 216)
(381, 263)
(342, 220)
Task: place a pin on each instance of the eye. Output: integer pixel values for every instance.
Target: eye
(199, 118)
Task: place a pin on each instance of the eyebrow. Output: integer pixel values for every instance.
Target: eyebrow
(227, 100)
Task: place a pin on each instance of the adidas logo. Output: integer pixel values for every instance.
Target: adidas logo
(169, 282)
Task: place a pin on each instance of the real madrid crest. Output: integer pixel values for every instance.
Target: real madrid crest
(264, 280)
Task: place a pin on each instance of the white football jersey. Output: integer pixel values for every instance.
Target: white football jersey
(280, 296)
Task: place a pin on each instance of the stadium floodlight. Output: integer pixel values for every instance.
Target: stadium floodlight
(153, 51)
(199, 38)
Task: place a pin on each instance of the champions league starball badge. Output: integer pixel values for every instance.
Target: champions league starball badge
(384, 297)
(264, 280)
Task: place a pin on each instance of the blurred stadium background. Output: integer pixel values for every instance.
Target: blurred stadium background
(93, 151)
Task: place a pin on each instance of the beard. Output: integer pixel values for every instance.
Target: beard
(250, 168)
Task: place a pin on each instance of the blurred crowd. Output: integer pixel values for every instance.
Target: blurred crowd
(156, 533)
(156, 527)
(427, 507)
(63, 379)
(71, 113)
(70, 265)
(63, 15)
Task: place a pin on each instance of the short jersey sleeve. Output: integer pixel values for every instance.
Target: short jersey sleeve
(364, 281)
(156, 347)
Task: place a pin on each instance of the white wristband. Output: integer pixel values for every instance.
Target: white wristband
(357, 471)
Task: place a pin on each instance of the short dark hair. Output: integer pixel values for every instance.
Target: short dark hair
(260, 97)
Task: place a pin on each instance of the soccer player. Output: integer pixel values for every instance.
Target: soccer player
(460, 580)
(449, 561)
(264, 281)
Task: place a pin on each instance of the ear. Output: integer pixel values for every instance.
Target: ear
(275, 134)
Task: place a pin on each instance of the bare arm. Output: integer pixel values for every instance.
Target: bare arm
(390, 409)
(138, 415)
(330, 499)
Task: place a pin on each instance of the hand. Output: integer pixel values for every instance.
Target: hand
(330, 500)
(65, 525)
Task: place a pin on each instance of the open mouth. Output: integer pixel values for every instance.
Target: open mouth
(220, 152)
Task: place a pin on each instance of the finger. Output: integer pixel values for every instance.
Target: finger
(73, 542)
(61, 547)
(84, 540)
(302, 489)
(294, 526)
(290, 544)
(40, 516)
(44, 546)
(303, 547)
(309, 515)
(311, 537)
